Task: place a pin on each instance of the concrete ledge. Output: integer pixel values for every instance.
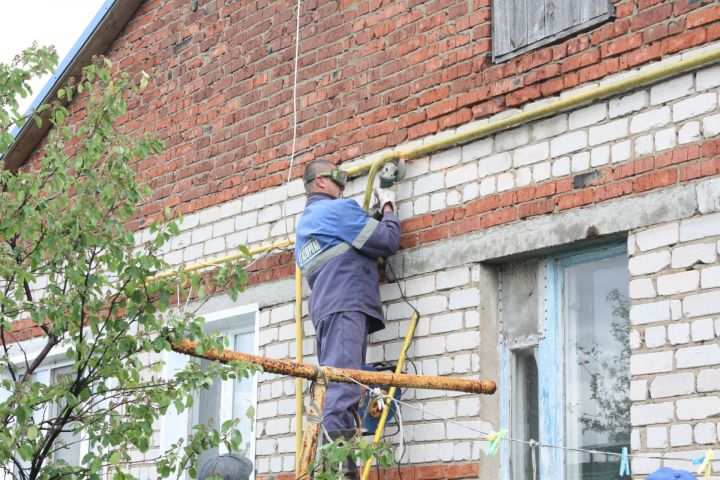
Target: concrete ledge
(614, 217)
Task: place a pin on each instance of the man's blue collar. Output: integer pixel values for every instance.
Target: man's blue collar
(316, 196)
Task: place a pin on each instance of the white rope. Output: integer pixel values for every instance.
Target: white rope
(531, 443)
(295, 120)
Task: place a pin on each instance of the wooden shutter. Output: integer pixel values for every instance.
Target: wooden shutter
(522, 25)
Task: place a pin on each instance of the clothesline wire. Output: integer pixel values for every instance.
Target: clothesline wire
(531, 443)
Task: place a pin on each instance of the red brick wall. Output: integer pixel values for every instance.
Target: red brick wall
(636, 176)
(454, 471)
(373, 74)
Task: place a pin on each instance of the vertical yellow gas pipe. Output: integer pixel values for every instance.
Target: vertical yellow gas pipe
(298, 359)
(383, 416)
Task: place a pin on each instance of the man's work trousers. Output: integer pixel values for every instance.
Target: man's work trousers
(342, 342)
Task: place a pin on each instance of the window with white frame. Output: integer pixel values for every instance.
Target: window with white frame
(70, 446)
(224, 400)
(565, 363)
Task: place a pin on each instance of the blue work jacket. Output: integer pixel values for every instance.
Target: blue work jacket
(337, 245)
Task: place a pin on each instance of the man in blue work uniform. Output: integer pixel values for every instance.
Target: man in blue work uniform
(337, 246)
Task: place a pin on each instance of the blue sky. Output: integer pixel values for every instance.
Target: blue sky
(49, 22)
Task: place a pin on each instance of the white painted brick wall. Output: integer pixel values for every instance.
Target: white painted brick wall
(642, 288)
(588, 116)
(638, 390)
(419, 286)
(694, 106)
(681, 435)
(430, 304)
(445, 159)
(665, 139)
(650, 312)
(531, 154)
(430, 431)
(702, 304)
(676, 88)
(505, 181)
(679, 333)
(708, 380)
(644, 363)
(488, 186)
(689, 133)
(698, 408)
(621, 151)
(494, 164)
(568, 143)
(429, 183)
(701, 227)
(707, 78)
(628, 104)
(701, 330)
(460, 175)
(600, 156)
(452, 278)
(649, 263)
(609, 131)
(652, 414)
(711, 126)
(686, 256)
(464, 298)
(421, 206)
(656, 237)
(580, 161)
(655, 336)
(561, 167)
(698, 356)
(705, 433)
(657, 437)
(476, 150)
(650, 120)
(512, 139)
(551, 127)
(673, 385)
(644, 145)
(463, 341)
(446, 323)
(678, 282)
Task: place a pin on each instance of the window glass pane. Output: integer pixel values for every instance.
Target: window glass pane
(520, 297)
(243, 392)
(524, 412)
(597, 353)
(68, 440)
(207, 409)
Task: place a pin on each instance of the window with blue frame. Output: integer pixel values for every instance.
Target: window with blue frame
(565, 375)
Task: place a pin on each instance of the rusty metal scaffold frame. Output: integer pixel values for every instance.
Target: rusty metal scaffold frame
(330, 374)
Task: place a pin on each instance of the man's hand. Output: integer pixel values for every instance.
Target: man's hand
(386, 199)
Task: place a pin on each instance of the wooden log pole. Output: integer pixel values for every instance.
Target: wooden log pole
(312, 432)
(345, 375)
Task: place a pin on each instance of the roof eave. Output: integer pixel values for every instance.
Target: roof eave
(95, 40)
